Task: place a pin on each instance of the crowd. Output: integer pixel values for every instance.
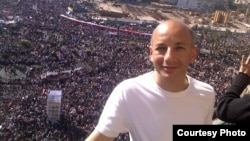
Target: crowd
(104, 59)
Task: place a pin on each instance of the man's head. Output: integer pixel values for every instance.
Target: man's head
(172, 49)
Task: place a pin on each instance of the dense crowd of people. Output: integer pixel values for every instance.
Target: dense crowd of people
(90, 61)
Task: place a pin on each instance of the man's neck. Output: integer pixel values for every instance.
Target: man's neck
(172, 84)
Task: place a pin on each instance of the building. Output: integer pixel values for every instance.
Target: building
(241, 1)
(188, 4)
(173, 2)
(202, 5)
(221, 17)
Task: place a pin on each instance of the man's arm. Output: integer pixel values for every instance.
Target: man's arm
(97, 136)
(231, 107)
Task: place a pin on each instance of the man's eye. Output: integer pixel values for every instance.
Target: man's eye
(161, 48)
(180, 47)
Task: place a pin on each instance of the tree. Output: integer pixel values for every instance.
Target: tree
(230, 5)
(25, 44)
(88, 52)
(225, 36)
(225, 5)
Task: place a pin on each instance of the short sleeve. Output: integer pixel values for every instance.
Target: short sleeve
(113, 119)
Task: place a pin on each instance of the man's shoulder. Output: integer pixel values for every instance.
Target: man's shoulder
(198, 84)
(140, 79)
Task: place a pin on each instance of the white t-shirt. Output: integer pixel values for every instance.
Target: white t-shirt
(139, 106)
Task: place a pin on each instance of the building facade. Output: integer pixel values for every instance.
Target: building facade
(202, 5)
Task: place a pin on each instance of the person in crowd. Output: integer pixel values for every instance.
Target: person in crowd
(147, 106)
(231, 107)
(89, 62)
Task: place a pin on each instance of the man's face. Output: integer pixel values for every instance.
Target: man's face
(172, 50)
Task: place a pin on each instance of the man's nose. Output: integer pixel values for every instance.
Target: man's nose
(168, 54)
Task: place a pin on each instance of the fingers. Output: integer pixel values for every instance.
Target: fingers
(243, 59)
(248, 60)
(245, 65)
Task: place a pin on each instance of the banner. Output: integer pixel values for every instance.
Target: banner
(107, 27)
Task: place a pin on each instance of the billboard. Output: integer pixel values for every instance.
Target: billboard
(54, 105)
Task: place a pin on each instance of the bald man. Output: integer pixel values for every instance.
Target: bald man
(148, 105)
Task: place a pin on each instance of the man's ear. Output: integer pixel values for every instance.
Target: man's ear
(195, 52)
(151, 58)
(150, 53)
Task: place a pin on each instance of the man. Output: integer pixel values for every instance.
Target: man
(231, 107)
(149, 105)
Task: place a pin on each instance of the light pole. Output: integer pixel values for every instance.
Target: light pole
(247, 11)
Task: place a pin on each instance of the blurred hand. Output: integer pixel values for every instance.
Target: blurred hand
(245, 65)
